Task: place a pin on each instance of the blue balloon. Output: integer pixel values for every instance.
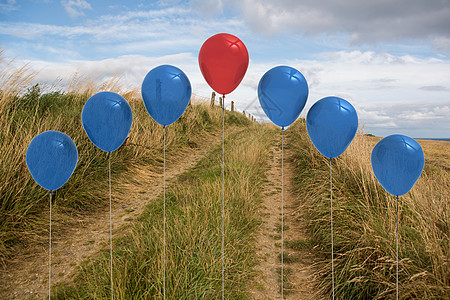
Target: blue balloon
(107, 119)
(282, 93)
(166, 92)
(51, 158)
(332, 123)
(397, 162)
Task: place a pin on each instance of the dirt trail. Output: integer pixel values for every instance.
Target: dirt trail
(27, 275)
(298, 261)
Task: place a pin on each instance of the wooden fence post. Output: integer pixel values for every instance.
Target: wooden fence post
(220, 102)
(232, 105)
(213, 99)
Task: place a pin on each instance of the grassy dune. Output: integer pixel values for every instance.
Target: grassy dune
(27, 110)
(193, 232)
(365, 219)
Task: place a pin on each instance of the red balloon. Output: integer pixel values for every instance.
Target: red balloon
(223, 60)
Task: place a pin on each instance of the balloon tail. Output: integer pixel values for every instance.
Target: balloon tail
(164, 217)
(223, 197)
(282, 212)
(396, 253)
(50, 250)
(331, 225)
(110, 225)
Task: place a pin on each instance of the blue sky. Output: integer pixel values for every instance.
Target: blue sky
(390, 59)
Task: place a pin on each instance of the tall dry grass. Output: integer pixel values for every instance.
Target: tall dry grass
(365, 224)
(27, 109)
(194, 215)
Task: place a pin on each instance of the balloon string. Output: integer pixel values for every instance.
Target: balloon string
(282, 210)
(164, 218)
(397, 250)
(50, 250)
(331, 223)
(223, 197)
(110, 225)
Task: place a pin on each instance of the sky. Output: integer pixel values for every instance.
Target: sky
(389, 58)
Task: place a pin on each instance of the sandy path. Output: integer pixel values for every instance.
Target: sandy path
(298, 263)
(26, 276)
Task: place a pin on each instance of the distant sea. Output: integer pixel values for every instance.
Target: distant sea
(435, 139)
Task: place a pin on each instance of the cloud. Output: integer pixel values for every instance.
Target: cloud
(132, 68)
(207, 8)
(412, 118)
(442, 43)
(133, 30)
(362, 21)
(8, 6)
(168, 2)
(75, 7)
(434, 88)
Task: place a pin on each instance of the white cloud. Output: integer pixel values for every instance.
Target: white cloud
(429, 119)
(75, 8)
(8, 6)
(133, 68)
(137, 28)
